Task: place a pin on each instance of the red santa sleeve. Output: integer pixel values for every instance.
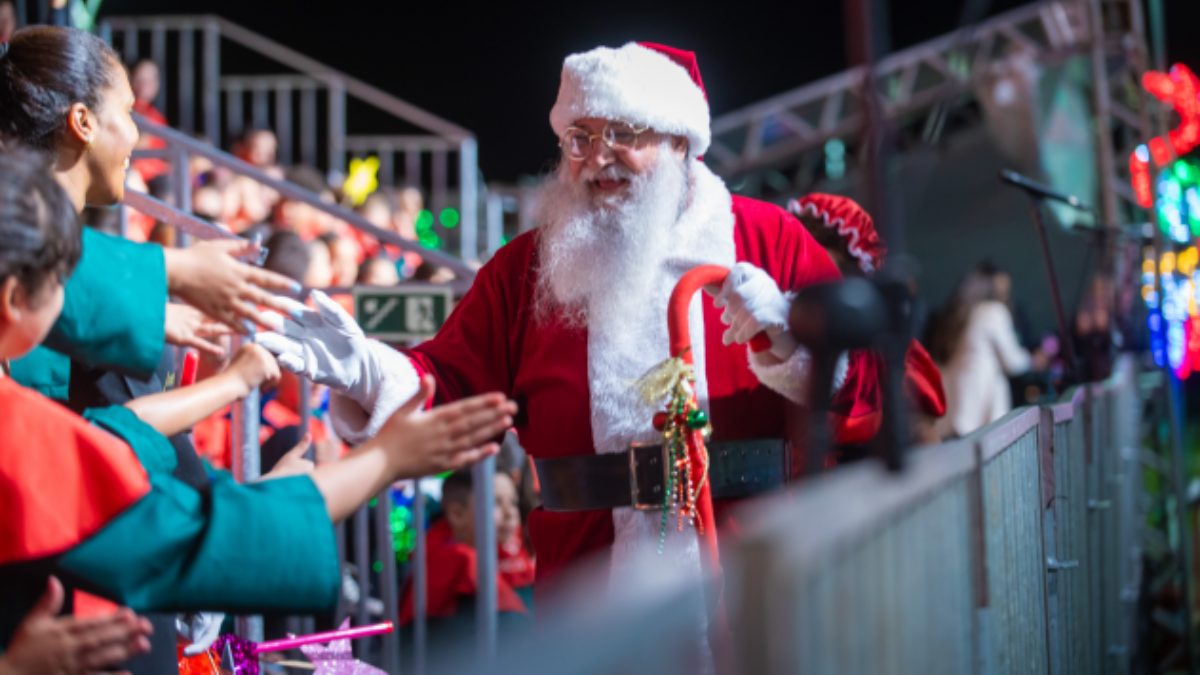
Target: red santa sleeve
(469, 355)
(777, 242)
(472, 352)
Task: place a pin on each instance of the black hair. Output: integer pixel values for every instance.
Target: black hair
(45, 71)
(39, 230)
(288, 255)
(457, 487)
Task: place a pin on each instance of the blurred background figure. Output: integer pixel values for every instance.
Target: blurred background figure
(976, 346)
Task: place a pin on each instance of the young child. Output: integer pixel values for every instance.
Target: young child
(450, 563)
(86, 506)
(847, 233)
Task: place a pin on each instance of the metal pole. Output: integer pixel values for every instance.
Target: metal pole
(247, 468)
(495, 222)
(258, 106)
(388, 586)
(283, 122)
(412, 167)
(387, 166)
(158, 52)
(1060, 314)
(308, 126)
(1104, 150)
(129, 46)
(182, 178)
(123, 221)
(212, 83)
(468, 174)
(362, 561)
(187, 80)
(234, 120)
(420, 582)
(867, 41)
(336, 163)
(439, 180)
(1158, 35)
(483, 491)
(304, 407)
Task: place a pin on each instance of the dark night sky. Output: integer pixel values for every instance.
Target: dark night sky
(494, 69)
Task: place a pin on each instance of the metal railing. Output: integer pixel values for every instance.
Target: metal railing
(371, 524)
(1012, 550)
(180, 148)
(311, 102)
(769, 132)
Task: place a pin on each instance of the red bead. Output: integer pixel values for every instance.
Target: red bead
(660, 420)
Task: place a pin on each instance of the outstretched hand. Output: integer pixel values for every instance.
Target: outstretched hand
(209, 276)
(48, 644)
(448, 437)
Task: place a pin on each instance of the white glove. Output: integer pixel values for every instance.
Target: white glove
(753, 304)
(327, 346)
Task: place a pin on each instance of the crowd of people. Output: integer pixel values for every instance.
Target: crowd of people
(112, 469)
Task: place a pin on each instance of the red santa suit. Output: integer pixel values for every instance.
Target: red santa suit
(563, 378)
(575, 385)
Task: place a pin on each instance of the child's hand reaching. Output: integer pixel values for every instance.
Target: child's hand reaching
(414, 442)
(48, 644)
(253, 367)
(294, 463)
(445, 438)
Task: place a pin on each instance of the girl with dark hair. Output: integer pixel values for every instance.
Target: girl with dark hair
(85, 505)
(64, 92)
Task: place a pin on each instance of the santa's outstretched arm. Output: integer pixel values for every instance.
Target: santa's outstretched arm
(368, 380)
(471, 353)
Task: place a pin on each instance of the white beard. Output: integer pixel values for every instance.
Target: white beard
(599, 252)
(609, 266)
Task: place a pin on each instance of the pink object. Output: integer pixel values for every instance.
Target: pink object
(329, 636)
(337, 658)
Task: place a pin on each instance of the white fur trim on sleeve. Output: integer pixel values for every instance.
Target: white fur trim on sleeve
(788, 378)
(396, 382)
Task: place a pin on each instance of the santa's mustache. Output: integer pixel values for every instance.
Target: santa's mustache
(610, 172)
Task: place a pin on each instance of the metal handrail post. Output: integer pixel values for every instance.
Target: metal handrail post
(483, 493)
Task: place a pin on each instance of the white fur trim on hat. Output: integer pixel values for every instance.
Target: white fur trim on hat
(636, 85)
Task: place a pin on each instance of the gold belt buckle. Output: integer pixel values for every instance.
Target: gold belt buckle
(634, 491)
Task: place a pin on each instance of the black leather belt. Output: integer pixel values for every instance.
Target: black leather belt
(637, 477)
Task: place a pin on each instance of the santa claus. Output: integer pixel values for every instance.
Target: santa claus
(564, 319)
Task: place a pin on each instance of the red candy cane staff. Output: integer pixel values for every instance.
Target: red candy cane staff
(684, 424)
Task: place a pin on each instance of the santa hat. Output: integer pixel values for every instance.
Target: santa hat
(644, 84)
(852, 223)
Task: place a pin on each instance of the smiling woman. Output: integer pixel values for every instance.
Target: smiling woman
(65, 91)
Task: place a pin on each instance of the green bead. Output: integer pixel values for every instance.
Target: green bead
(697, 419)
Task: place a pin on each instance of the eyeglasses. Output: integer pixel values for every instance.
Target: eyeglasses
(577, 142)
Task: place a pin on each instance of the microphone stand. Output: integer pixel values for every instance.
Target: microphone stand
(1037, 193)
(857, 313)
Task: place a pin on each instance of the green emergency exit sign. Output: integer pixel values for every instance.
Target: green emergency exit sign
(403, 313)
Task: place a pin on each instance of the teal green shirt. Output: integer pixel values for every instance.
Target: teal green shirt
(114, 316)
(266, 546)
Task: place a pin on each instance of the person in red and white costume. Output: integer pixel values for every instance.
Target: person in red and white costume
(565, 318)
